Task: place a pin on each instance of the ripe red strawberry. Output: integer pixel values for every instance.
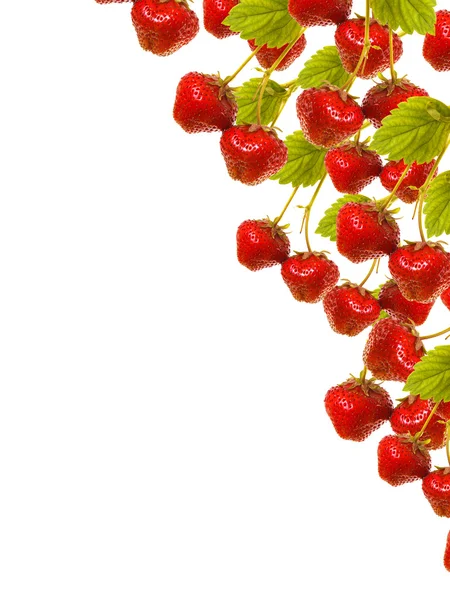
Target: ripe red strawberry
(320, 12)
(261, 244)
(267, 56)
(309, 276)
(357, 408)
(349, 38)
(436, 487)
(203, 103)
(421, 270)
(350, 309)
(382, 99)
(444, 411)
(328, 116)
(252, 153)
(436, 48)
(400, 460)
(364, 233)
(396, 305)
(416, 177)
(164, 26)
(447, 554)
(410, 416)
(352, 167)
(445, 297)
(214, 13)
(392, 350)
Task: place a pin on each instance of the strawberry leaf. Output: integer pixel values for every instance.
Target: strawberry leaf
(437, 206)
(409, 15)
(265, 21)
(416, 131)
(324, 65)
(327, 224)
(431, 376)
(247, 100)
(305, 164)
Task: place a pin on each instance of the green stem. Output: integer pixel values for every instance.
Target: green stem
(427, 422)
(286, 206)
(365, 51)
(308, 212)
(391, 55)
(433, 335)
(244, 64)
(292, 89)
(371, 270)
(447, 445)
(423, 237)
(389, 199)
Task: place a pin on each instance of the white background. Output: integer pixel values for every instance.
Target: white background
(162, 429)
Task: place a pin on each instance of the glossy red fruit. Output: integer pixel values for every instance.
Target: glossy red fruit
(163, 27)
(402, 461)
(445, 297)
(214, 13)
(444, 411)
(396, 305)
(436, 487)
(392, 350)
(421, 270)
(320, 12)
(382, 99)
(203, 103)
(267, 56)
(349, 38)
(350, 309)
(252, 153)
(328, 116)
(309, 276)
(357, 408)
(352, 167)
(447, 554)
(436, 48)
(411, 415)
(364, 233)
(415, 178)
(261, 244)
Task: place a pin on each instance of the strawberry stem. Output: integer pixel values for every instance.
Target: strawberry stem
(286, 206)
(244, 64)
(433, 335)
(389, 199)
(391, 55)
(427, 422)
(447, 444)
(365, 51)
(371, 270)
(289, 93)
(305, 223)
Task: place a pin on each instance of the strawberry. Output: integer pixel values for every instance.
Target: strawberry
(392, 350)
(261, 244)
(349, 38)
(352, 167)
(252, 153)
(415, 178)
(328, 115)
(214, 13)
(436, 48)
(309, 276)
(357, 408)
(363, 232)
(164, 26)
(401, 460)
(350, 309)
(447, 554)
(410, 416)
(320, 12)
(396, 305)
(203, 103)
(445, 297)
(436, 487)
(444, 411)
(382, 99)
(267, 56)
(421, 270)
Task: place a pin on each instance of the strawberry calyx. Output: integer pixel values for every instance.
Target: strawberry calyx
(307, 254)
(344, 95)
(411, 328)
(417, 444)
(442, 470)
(366, 385)
(390, 84)
(410, 399)
(276, 230)
(422, 244)
(356, 286)
(224, 88)
(384, 212)
(252, 127)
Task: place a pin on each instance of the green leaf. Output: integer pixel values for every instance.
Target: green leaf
(431, 376)
(247, 100)
(437, 206)
(265, 21)
(305, 164)
(416, 131)
(325, 65)
(409, 15)
(327, 225)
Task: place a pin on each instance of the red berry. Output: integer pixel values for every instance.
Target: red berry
(252, 153)
(350, 309)
(261, 244)
(436, 487)
(445, 297)
(320, 12)
(357, 408)
(267, 56)
(309, 276)
(382, 99)
(392, 350)
(416, 177)
(364, 233)
(214, 13)
(421, 271)
(402, 461)
(165, 26)
(444, 411)
(436, 48)
(447, 554)
(352, 167)
(410, 416)
(396, 305)
(349, 40)
(328, 116)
